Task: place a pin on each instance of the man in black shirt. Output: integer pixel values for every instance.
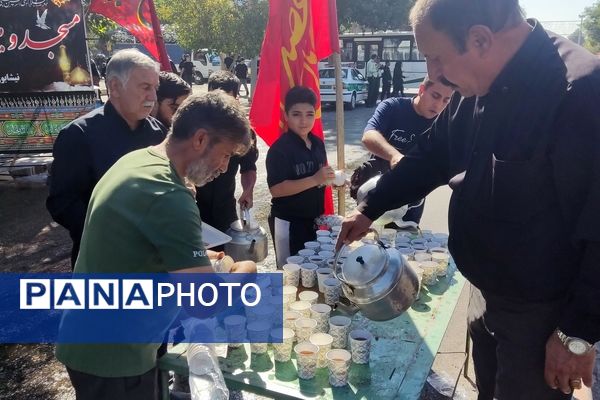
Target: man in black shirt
(216, 199)
(186, 69)
(86, 148)
(172, 91)
(241, 71)
(521, 150)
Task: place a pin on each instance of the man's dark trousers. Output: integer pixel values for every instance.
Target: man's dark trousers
(509, 346)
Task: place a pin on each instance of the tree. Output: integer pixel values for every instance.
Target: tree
(591, 27)
(230, 26)
(374, 15)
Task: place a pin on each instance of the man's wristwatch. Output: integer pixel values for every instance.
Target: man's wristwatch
(575, 345)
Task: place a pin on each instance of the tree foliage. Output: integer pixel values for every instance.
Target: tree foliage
(374, 15)
(591, 27)
(230, 26)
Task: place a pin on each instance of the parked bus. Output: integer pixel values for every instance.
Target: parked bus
(390, 46)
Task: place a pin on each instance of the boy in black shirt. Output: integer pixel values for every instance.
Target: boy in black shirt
(296, 174)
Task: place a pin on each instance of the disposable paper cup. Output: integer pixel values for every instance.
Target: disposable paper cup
(290, 292)
(323, 341)
(282, 352)
(306, 357)
(420, 257)
(289, 318)
(328, 247)
(321, 313)
(322, 274)
(258, 334)
(277, 279)
(360, 345)
(420, 248)
(340, 178)
(309, 296)
(326, 254)
(429, 272)
(291, 274)
(442, 260)
(332, 289)
(324, 240)
(235, 327)
(302, 307)
(317, 260)
(295, 260)
(308, 274)
(306, 253)
(304, 327)
(338, 363)
(339, 327)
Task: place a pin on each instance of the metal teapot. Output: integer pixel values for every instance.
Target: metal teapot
(248, 240)
(377, 281)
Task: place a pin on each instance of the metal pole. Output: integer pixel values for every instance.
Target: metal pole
(339, 118)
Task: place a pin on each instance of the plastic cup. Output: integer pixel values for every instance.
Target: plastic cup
(306, 357)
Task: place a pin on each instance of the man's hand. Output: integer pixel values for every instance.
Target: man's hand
(395, 159)
(354, 227)
(246, 200)
(562, 366)
(244, 267)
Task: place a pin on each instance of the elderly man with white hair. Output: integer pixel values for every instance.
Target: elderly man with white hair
(87, 147)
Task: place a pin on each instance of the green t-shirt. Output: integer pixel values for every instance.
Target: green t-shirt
(141, 218)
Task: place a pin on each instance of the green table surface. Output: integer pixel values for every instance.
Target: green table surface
(402, 353)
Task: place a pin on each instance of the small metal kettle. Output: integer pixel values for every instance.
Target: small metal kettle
(377, 280)
(248, 239)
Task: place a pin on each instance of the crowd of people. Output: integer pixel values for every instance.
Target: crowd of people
(506, 118)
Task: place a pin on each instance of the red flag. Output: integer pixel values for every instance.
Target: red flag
(299, 33)
(137, 17)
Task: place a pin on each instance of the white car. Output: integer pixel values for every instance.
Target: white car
(355, 86)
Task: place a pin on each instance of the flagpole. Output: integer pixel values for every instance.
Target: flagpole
(339, 118)
(165, 65)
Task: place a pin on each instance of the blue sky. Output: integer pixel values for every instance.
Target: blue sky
(555, 10)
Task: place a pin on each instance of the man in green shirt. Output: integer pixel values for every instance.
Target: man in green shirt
(143, 218)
